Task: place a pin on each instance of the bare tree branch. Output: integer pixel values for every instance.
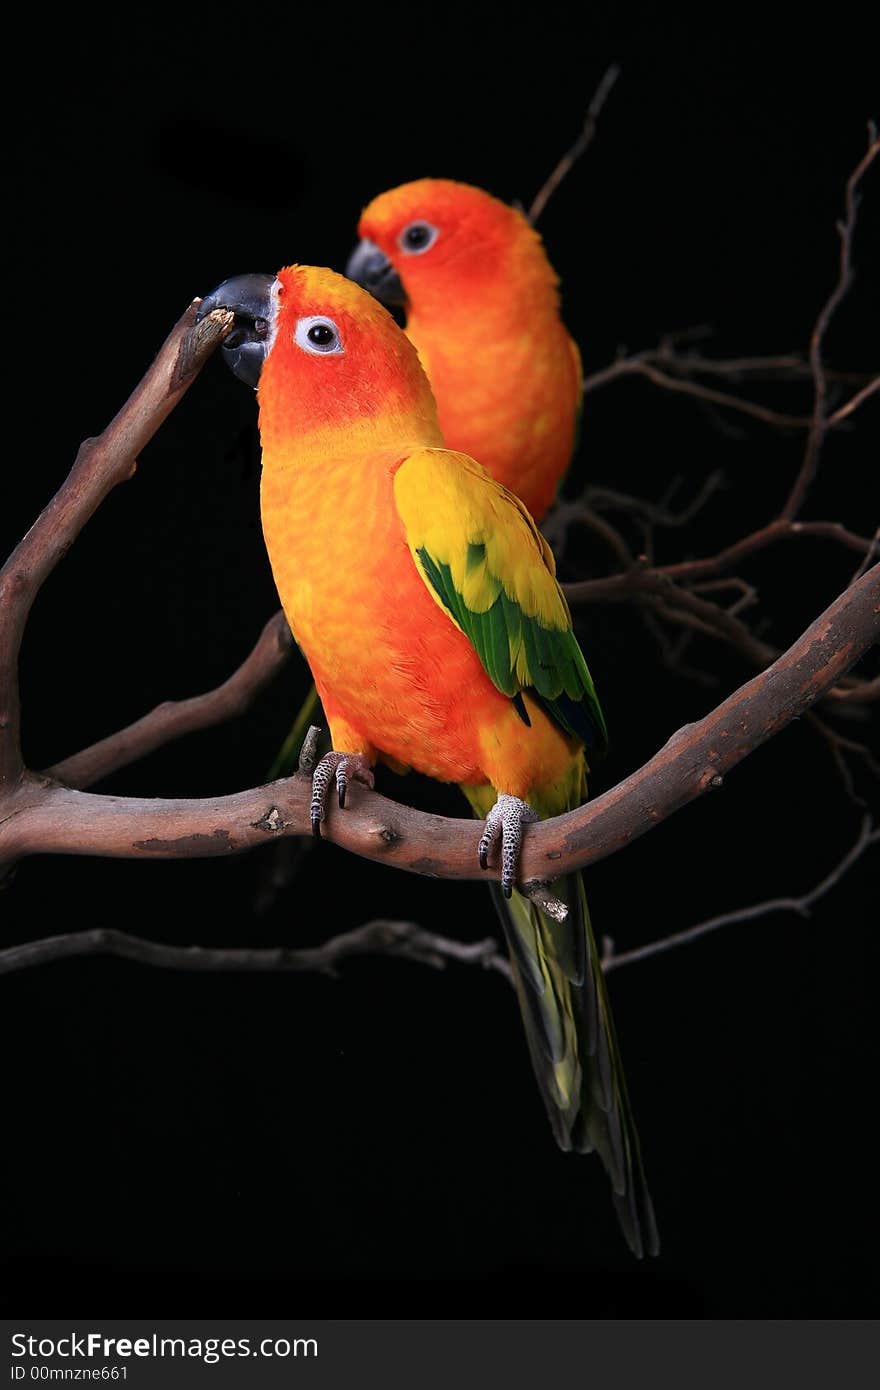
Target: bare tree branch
(400, 939)
(868, 835)
(785, 366)
(673, 371)
(854, 402)
(582, 143)
(641, 365)
(672, 653)
(838, 746)
(613, 587)
(660, 513)
(869, 558)
(601, 527)
(403, 940)
(820, 422)
(39, 816)
(778, 530)
(665, 359)
(865, 693)
(748, 595)
(100, 464)
(683, 607)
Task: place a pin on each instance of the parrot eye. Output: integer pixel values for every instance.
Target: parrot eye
(417, 238)
(318, 335)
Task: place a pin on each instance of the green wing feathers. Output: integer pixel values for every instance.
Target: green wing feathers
(488, 566)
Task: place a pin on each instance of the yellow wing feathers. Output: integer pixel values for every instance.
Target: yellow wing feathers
(451, 507)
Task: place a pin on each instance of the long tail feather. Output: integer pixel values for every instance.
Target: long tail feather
(573, 1047)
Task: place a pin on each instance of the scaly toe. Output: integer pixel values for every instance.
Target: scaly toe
(353, 768)
(344, 768)
(506, 819)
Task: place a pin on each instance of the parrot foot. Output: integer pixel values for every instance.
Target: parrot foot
(343, 768)
(506, 820)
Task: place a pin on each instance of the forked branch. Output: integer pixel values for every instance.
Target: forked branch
(40, 816)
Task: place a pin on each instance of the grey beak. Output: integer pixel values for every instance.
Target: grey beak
(245, 348)
(371, 268)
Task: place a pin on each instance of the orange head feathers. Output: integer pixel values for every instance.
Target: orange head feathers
(482, 308)
(447, 238)
(335, 359)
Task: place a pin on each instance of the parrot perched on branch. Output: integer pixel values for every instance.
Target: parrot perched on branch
(482, 308)
(426, 603)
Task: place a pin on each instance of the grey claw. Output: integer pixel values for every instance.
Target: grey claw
(506, 819)
(343, 767)
(342, 778)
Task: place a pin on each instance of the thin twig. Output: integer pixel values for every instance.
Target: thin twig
(868, 836)
(601, 527)
(584, 140)
(661, 585)
(613, 587)
(403, 940)
(685, 608)
(657, 513)
(850, 745)
(642, 365)
(777, 530)
(747, 592)
(864, 693)
(672, 371)
(853, 403)
(819, 423)
(870, 556)
(666, 357)
(792, 366)
(672, 653)
(718, 622)
(838, 745)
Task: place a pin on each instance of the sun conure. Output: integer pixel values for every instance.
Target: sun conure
(426, 603)
(482, 308)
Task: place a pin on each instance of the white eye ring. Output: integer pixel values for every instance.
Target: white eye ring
(310, 331)
(417, 238)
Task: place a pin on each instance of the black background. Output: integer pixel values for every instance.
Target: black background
(373, 1145)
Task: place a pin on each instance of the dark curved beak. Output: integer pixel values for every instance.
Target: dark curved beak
(371, 268)
(245, 348)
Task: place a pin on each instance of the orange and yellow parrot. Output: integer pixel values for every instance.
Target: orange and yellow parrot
(426, 603)
(482, 308)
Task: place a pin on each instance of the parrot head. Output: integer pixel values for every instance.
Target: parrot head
(430, 239)
(321, 352)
